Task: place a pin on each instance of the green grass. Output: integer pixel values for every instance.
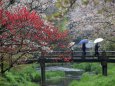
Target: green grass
(55, 76)
(97, 80)
(27, 75)
(23, 75)
(88, 67)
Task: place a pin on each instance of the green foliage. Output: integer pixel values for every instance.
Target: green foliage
(3, 82)
(88, 67)
(109, 44)
(62, 24)
(94, 80)
(85, 2)
(63, 4)
(108, 0)
(27, 75)
(97, 80)
(24, 75)
(10, 78)
(54, 74)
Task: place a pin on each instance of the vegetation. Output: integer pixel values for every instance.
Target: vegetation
(97, 80)
(89, 67)
(110, 45)
(25, 27)
(21, 76)
(27, 75)
(55, 76)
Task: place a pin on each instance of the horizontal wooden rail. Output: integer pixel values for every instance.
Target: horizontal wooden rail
(60, 60)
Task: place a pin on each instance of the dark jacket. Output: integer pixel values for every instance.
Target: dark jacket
(96, 49)
(83, 47)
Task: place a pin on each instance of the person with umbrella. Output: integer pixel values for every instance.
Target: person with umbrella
(83, 42)
(96, 41)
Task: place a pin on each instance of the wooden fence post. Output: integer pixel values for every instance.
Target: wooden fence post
(42, 65)
(104, 63)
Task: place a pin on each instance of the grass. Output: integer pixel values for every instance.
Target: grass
(27, 75)
(89, 67)
(23, 75)
(97, 80)
(55, 76)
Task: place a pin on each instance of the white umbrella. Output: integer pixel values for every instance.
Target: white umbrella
(98, 40)
(90, 44)
(71, 44)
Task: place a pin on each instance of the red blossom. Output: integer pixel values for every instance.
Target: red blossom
(67, 59)
(26, 25)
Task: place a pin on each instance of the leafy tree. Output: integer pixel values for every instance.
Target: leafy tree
(23, 31)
